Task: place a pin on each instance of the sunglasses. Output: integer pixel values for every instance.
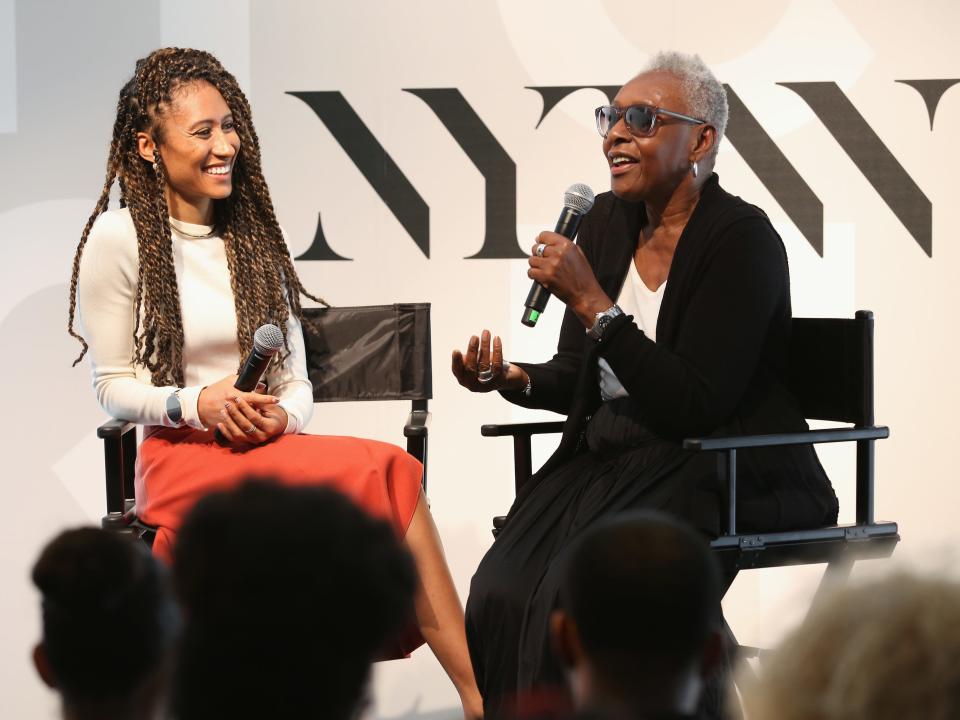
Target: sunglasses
(640, 119)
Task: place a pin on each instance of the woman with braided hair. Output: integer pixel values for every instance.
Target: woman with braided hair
(169, 289)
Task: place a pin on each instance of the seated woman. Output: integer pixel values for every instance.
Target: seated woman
(677, 321)
(170, 289)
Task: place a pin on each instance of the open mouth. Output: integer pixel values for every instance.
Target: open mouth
(218, 170)
(621, 163)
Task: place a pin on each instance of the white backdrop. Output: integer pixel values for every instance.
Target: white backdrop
(62, 63)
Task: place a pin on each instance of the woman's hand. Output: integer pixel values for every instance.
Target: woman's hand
(482, 369)
(562, 268)
(214, 398)
(244, 424)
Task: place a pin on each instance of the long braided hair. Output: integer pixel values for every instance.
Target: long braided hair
(265, 284)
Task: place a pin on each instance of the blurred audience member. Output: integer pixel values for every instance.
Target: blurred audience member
(288, 593)
(109, 626)
(639, 624)
(883, 650)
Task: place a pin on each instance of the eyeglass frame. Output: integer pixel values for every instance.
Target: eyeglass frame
(657, 112)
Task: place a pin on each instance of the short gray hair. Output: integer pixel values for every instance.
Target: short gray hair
(704, 93)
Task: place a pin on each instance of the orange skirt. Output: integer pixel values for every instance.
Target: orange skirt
(178, 466)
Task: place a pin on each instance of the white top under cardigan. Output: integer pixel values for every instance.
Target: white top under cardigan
(105, 302)
(644, 304)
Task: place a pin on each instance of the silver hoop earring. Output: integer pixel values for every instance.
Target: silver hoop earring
(694, 169)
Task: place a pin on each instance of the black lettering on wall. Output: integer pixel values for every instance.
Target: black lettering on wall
(552, 95)
(756, 147)
(867, 151)
(848, 127)
(931, 91)
(487, 154)
(377, 167)
(776, 173)
(320, 249)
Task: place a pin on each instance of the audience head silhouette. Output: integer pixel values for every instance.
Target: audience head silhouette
(886, 649)
(288, 594)
(109, 625)
(639, 619)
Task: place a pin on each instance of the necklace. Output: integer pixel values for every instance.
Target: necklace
(204, 236)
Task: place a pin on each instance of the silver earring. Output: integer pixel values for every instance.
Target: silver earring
(155, 168)
(694, 169)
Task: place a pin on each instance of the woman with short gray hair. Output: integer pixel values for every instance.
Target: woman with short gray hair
(677, 317)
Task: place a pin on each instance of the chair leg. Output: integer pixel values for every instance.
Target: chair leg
(522, 461)
(417, 447)
(837, 573)
(715, 702)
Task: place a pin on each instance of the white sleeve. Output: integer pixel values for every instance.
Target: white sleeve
(105, 304)
(289, 381)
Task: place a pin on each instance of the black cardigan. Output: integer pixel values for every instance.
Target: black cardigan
(722, 331)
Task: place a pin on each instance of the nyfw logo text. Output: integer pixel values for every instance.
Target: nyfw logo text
(828, 102)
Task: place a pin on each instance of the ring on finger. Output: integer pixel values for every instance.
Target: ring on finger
(540, 248)
(485, 375)
(251, 430)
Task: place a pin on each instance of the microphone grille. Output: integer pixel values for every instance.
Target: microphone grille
(578, 197)
(268, 339)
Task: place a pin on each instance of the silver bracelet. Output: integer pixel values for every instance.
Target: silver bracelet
(528, 388)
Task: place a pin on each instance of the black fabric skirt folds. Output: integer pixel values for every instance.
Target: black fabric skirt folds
(622, 467)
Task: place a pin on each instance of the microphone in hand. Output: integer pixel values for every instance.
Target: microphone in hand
(577, 202)
(267, 341)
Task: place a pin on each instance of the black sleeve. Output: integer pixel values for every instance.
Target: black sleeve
(695, 386)
(554, 382)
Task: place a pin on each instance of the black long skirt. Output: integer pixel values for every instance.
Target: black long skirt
(623, 467)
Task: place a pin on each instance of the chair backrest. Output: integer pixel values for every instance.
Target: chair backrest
(375, 352)
(831, 367)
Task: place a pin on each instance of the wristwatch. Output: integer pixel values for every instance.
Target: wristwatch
(174, 409)
(602, 320)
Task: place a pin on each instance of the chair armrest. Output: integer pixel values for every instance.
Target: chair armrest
(418, 424)
(521, 434)
(115, 429)
(800, 438)
(521, 429)
(119, 461)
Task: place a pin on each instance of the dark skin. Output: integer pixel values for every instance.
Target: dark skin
(147, 702)
(657, 173)
(657, 691)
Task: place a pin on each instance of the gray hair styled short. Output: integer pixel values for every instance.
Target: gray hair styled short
(704, 93)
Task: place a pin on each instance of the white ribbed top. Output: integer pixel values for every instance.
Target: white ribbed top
(105, 301)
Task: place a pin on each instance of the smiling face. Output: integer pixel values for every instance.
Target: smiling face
(198, 145)
(651, 168)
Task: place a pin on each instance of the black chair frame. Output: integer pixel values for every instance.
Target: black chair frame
(831, 374)
(120, 441)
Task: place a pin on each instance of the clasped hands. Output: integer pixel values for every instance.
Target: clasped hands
(244, 418)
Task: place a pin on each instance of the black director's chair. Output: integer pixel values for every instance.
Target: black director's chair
(831, 374)
(378, 352)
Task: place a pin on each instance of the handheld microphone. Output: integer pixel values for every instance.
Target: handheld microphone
(267, 341)
(577, 202)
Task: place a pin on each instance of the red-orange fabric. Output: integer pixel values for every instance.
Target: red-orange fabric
(178, 466)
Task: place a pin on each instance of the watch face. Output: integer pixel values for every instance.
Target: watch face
(603, 319)
(174, 412)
